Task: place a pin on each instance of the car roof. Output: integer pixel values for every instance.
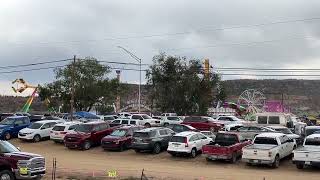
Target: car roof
(16, 117)
(69, 123)
(313, 127)
(186, 133)
(151, 129)
(46, 121)
(277, 127)
(272, 135)
(313, 136)
(95, 122)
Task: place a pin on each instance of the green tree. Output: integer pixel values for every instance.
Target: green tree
(91, 82)
(178, 85)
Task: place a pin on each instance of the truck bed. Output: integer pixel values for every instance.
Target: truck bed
(260, 147)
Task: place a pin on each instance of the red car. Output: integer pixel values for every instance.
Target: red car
(120, 139)
(227, 146)
(203, 123)
(87, 134)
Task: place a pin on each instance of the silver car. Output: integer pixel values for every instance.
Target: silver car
(249, 132)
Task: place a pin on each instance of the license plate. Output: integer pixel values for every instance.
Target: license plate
(308, 163)
(23, 171)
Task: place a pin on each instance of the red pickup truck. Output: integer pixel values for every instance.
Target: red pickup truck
(227, 146)
(87, 134)
(203, 123)
(15, 164)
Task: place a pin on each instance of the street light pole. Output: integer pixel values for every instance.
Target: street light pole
(139, 60)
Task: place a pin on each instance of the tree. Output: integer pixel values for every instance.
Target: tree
(180, 86)
(91, 86)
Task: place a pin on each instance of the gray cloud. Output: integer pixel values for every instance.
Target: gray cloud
(37, 30)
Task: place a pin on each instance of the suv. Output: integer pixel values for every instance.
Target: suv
(10, 126)
(118, 122)
(120, 139)
(171, 120)
(59, 131)
(19, 165)
(145, 120)
(188, 142)
(154, 139)
(203, 123)
(37, 131)
(87, 134)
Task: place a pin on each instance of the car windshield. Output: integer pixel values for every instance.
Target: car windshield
(311, 131)
(146, 117)
(179, 139)
(265, 140)
(312, 142)
(7, 121)
(284, 130)
(84, 128)
(119, 132)
(6, 147)
(58, 128)
(35, 126)
(226, 139)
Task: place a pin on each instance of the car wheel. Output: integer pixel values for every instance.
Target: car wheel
(137, 150)
(300, 166)
(173, 154)
(6, 175)
(276, 162)
(208, 159)
(36, 138)
(86, 145)
(156, 148)
(166, 124)
(122, 147)
(147, 125)
(7, 136)
(234, 158)
(193, 153)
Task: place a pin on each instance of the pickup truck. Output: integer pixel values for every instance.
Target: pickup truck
(87, 134)
(227, 146)
(15, 164)
(203, 123)
(309, 153)
(268, 148)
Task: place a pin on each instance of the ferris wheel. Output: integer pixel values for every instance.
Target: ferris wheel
(253, 100)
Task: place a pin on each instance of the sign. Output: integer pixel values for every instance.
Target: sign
(112, 174)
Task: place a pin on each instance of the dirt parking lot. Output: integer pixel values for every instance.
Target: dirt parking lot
(97, 162)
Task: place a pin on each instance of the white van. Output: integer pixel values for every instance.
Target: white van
(273, 118)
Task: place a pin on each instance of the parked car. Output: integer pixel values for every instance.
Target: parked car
(203, 123)
(120, 139)
(178, 128)
(15, 164)
(87, 134)
(311, 129)
(22, 114)
(309, 153)
(249, 132)
(118, 122)
(268, 148)
(37, 131)
(34, 118)
(209, 134)
(232, 127)
(227, 146)
(229, 119)
(59, 131)
(166, 120)
(10, 126)
(107, 118)
(146, 120)
(288, 132)
(5, 115)
(189, 142)
(124, 115)
(153, 139)
(169, 114)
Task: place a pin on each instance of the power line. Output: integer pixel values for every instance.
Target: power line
(182, 33)
(268, 69)
(33, 64)
(273, 75)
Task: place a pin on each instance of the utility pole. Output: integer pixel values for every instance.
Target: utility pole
(72, 87)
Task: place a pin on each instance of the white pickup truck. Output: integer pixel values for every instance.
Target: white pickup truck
(268, 148)
(309, 153)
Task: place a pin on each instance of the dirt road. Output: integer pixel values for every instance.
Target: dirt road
(97, 162)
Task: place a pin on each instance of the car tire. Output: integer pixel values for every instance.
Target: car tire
(6, 174)
(122, 147)
(208, 159)
(193, 153)
(166, 124)
(7, 136)
(86, 145)
(36, 138)
(156, 148)
(234, 158)
(276, 162)
(137, 150)
(299, 166)
(147, 125)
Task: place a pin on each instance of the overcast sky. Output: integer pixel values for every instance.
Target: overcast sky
(38, 30)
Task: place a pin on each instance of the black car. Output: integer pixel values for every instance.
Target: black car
(177, 128)
(152, 139)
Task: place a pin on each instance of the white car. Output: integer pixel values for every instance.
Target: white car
(309, 153)
(166, 120)
(268, 148)
(230, 120)
(59, 131)
(145, 120)
(188, 142)
(124, 121)
(37, 130)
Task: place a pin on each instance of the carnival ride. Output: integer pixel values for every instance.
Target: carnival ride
(21, 86)
(252, 100)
